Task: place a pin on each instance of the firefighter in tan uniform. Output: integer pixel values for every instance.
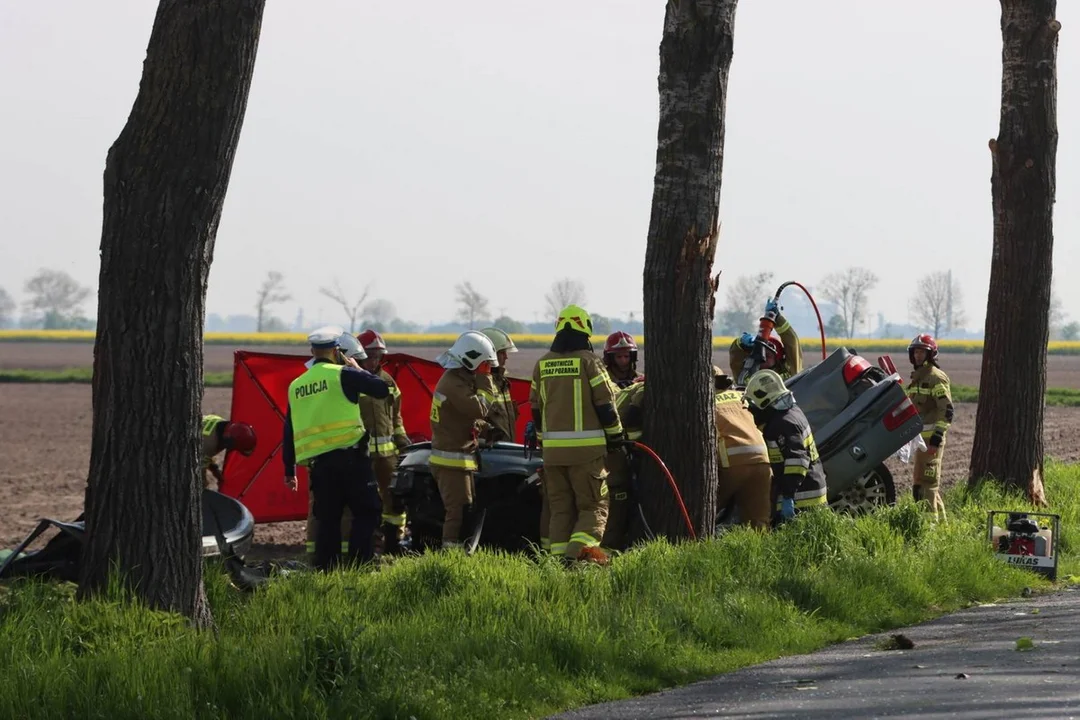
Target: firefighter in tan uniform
(219, 434)
(382, 418)
(574, 410)
(457, 413)
(502, 419)
(630, 405)
(783, 354)
(930, 391)
(743, 468)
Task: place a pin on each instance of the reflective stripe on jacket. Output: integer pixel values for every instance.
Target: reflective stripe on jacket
(566, 389)
(796, 465)
(456, 406)
(323, 418)
(382, 418)
(502, 413)
(738, 441)
(931, 393)
(626, 398)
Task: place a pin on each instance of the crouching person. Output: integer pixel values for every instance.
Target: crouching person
(798, 476)
(743, 467)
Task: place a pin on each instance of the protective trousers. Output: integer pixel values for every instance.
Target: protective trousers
(926, 478)
(619, 501)
(393, 512)
(313, 525)
(545, 515)
(579, 506)
(340, 479)
(750, 487)
(456, 489)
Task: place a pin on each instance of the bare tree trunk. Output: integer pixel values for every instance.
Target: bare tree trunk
(1008, 442)
(165, 182)
(679, 290)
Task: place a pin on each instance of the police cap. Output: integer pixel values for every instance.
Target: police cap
(325, 337)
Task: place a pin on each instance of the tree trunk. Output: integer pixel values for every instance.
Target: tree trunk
(1008, 442)
(165, 182)
(679, 290)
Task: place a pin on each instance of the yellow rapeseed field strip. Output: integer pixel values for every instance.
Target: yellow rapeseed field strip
(810, 344)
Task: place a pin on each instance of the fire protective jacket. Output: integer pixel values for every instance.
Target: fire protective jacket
(793, 454)
(792, 364)
(630, 402)
(456, 406)
(573, 406)
(382, 418)
(930, 391)
(738, 440)
(502, 415)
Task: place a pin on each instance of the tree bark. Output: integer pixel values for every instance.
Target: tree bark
(164, 186)
(679, 290)
(1008, 442)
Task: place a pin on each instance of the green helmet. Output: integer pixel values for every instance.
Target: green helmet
(500, 339)
(765, 389)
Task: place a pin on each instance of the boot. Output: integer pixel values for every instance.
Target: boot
(470, 527)
(391, 539)
(916, 492)
(593, 555)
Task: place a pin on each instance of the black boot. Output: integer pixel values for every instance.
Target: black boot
(916, 492)
(391, 539)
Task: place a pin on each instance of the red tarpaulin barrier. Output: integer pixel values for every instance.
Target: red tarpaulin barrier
(259, 398)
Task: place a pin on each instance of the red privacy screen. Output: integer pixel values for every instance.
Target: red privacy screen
(259, 398)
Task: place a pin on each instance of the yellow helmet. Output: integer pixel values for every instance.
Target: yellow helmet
(765, 388)
(574, 318)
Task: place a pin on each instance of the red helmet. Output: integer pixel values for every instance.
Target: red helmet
(620, 340)
(774, 345)
(240, 437)
(371, 340)
(923, 342)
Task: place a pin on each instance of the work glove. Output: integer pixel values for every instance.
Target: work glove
(787, 508)
(531, 439)
(746, 341)
(771, 306)
(401, 441)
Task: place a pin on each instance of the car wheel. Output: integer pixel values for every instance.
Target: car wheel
(874, 489)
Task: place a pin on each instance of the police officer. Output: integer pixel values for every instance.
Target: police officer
(219, 434)
(797, 474)
(573, 411)
(324, 431)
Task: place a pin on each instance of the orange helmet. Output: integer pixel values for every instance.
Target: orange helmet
(371, 340)
(619, 341)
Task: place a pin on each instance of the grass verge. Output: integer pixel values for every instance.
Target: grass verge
(497, 636)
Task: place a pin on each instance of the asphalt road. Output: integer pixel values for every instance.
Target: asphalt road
(857, 680)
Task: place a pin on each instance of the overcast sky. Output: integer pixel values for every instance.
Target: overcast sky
(508, 143)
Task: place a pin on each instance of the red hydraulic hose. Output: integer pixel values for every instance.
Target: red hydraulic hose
(821, 325)
(671, 481)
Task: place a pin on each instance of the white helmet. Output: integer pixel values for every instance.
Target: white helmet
(500, 339)
(470, 350)
(351, 347)
(766, 389)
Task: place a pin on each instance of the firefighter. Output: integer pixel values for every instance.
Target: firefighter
(457, 412)
(502, 417)
(382, 418)
(930, 392)
(630, 405)
(797, 474)
(219, 434)
(743, 469)
(573, 409)
(620, 359)
(324, 431)
(781, 348)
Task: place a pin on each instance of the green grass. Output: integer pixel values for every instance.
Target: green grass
(1055, 397)
(497, 636)
(86, 375)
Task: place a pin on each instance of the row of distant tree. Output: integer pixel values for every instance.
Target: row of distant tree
(55, 300)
